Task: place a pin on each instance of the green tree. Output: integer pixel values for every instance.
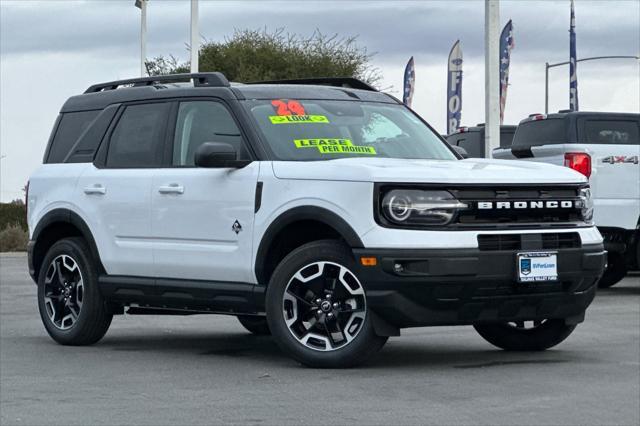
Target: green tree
(255, 55)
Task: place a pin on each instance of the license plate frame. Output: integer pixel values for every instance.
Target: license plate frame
(537, 266)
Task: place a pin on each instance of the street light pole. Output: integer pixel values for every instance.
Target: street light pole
(547, 65)
(491, 76)
(195, 36)
(142, 5)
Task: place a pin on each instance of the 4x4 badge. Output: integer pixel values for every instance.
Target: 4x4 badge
(236, 227)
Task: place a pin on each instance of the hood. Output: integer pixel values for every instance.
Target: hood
(472, 170)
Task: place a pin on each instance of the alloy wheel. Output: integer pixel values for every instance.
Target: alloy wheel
(63, 292)
(324, 306)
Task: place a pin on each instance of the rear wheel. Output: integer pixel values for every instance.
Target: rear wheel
(615, 272)
(317, 310)
(71, 306)
(526, 335)
(256, 325)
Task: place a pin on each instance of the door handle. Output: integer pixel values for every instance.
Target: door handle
(172, 188)
(95, 189)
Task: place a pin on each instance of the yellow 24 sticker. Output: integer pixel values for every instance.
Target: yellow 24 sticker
(294, 119)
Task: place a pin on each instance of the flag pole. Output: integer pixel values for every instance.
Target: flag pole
(491, 76)
(195, 36)
(573, 63)
(142, 5)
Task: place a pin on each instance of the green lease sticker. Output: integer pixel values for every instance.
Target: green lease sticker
(312, 143)
(293, 119)
(342, 149)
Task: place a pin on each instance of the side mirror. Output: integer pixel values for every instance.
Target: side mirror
(461, 151)
(218, 155)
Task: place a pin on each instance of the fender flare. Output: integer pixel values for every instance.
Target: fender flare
(67, 216)
(296, 214)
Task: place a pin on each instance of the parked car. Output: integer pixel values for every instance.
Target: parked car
(471, 139)
(327, 214)
(605, 147)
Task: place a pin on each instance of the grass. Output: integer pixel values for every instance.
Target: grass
(13, 238)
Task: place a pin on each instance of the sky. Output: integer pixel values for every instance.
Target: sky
(51, 50)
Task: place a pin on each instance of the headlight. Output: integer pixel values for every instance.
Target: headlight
(586, 204)
(415, 207)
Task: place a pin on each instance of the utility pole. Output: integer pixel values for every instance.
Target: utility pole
(491, 76)
(142, 5)
(195, 36)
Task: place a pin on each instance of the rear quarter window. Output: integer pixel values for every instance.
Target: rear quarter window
(72, 125)
(506, 138)
(541, 132)
(473, 144)
(611, 132)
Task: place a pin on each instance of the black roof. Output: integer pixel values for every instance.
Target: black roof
(480, 128)
(571, 115)
(101, 95)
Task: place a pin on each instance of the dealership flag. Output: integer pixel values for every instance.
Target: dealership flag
(573, 64)
(454, 88)
(507, 43)
(409, 82)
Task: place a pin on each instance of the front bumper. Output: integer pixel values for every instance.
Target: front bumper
(469, 286)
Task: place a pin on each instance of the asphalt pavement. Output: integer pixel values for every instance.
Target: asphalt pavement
(152, 370)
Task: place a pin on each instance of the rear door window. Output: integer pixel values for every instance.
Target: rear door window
(541, 132)
(72, 126)
(137, 140)
(611, 132)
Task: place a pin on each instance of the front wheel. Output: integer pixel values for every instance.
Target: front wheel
(525, 335)
(71, 306)
(317, 309)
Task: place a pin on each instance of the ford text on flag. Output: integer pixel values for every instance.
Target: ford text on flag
(454, 88)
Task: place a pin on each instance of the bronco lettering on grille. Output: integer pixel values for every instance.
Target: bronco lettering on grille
(547, 204)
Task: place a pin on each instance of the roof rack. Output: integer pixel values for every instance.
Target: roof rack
(207, 79)
(346, 82)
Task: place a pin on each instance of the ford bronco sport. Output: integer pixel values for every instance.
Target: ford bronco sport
(320, 211)
(605, 147)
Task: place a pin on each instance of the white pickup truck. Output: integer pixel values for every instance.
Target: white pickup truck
(605, 147)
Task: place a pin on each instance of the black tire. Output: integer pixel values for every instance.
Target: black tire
(255, 324)
(615, 272)
(92, 317)
(358, 339)
(511, 338)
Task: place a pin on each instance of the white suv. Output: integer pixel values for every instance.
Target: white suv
(320, 211)
(605, 147)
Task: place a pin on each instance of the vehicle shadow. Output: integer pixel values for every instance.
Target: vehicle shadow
(619, 291)
(399, 353)
(463, 357)
(224, 344)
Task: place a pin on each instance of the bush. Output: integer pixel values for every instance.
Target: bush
(256, 55)
(14, 213)
(13, 238)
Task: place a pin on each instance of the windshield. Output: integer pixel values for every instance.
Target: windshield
(303, 130)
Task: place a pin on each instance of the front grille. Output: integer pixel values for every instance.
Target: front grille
(511, 217)
(546, 241)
